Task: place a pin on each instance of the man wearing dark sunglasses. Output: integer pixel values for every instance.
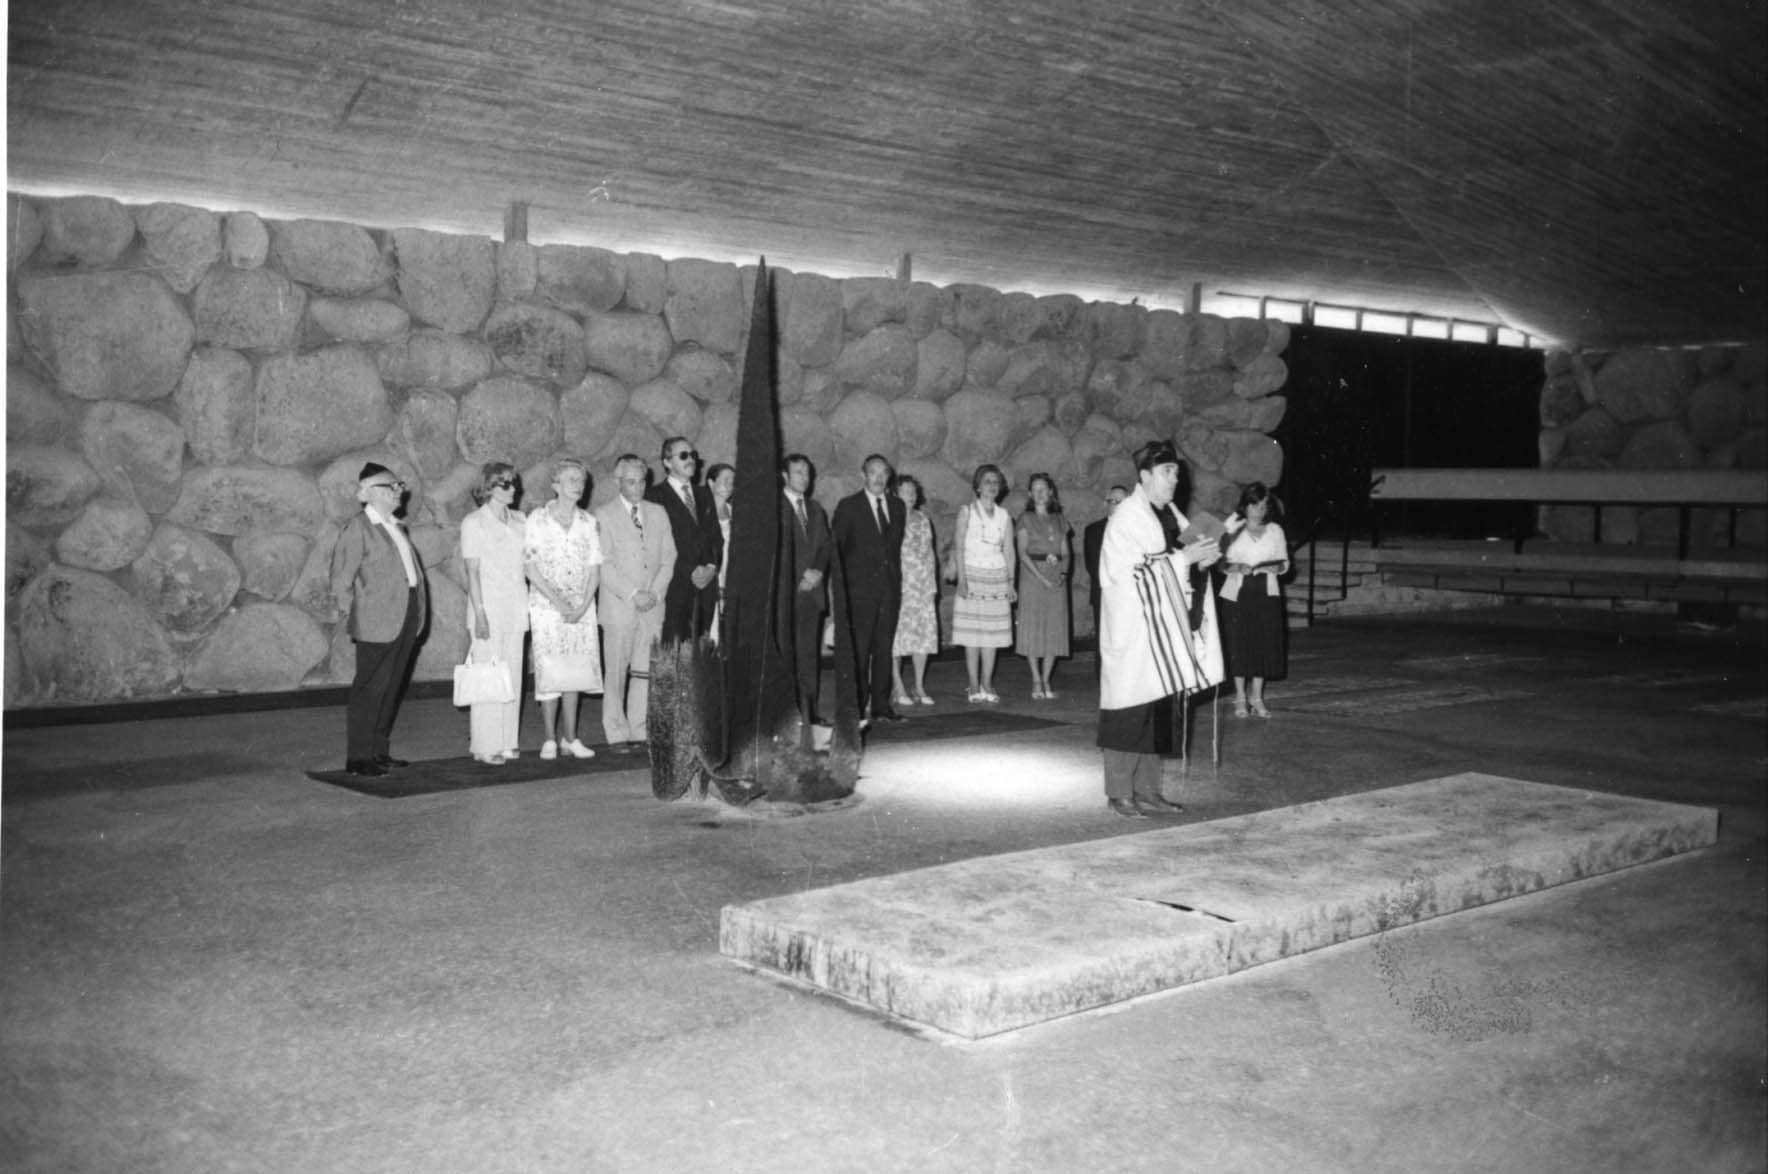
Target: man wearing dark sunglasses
(378, 580)
(692, 597)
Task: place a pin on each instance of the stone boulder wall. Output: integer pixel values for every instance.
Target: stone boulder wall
(1653, 408)
(191, 396)
(84, 638)
(261, 648)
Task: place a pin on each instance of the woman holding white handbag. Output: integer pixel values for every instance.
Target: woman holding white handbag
(497, 605)
(563, 556)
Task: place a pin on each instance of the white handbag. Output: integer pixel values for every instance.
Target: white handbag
(480, 682)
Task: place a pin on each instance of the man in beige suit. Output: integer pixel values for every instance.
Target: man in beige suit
(378, 580)
(638, 558)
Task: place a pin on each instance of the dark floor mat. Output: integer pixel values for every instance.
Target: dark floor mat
(438, 775)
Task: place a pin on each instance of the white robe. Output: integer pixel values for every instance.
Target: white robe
(1127, 672)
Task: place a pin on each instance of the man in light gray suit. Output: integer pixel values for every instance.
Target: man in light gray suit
(638, 558)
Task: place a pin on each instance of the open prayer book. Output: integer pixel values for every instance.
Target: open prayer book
(1203, 527)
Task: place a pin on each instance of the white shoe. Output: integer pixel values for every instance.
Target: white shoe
(512, 752)
(549, 749)
(576, 749)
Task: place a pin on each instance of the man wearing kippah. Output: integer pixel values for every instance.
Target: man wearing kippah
(377, 579)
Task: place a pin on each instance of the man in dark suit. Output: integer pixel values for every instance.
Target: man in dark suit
(803, 518)
(1092, 542)
(377, 579)
(692, 597)
(867, 530)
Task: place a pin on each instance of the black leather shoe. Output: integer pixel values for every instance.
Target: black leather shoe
(1126, 808)
(366, 767)
(1155, 805)
(387, 761)
(889, 715)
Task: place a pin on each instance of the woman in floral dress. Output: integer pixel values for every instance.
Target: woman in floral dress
(1046, 553)
(562, 553)
(917, 623)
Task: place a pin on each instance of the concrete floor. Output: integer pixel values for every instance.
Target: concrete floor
(210, 962)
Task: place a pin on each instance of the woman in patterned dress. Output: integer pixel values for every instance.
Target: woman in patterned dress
(917, 623)
(982, 617)
(1046, 553)
(562, 552)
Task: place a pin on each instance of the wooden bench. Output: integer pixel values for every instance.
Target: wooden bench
(1683, 489)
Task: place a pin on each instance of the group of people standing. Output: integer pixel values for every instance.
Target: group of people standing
(592, 592)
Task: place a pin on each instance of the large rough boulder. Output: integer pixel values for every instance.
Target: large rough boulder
(870, 302)
(507, 419)
(217, 406)
(88, 231)
(137, 452)
(1209, 343)
(920, 428)
(590, 411)
(580, 280)
(244, 500)
(647, 283)
(107, 335)
(269, 564)
(1561, 400)
(1088, 452)
(939, 365)
(985, 363)
(447, 281)
(1119, 388)
(1639, 384)
(1261, 415)
(1162, 411)
(449, 498)
(1594, 436)
(1070, 412)
(1261, 375)
(717, 439)
(185, 578)
(672, 411)
(705, 375)
(1117, 331)
(1045, 451)
(1201, 443)
(821, 390)
(538, 342)
(863, 424)
(428, 358)
(978, 429)
(704, 304)
(46, 485)
(1060, 316)
(108, 535)
(971, 311)
(261, 648)
(632, 434)
(181, 242)
(1246, 340)
(84, 638)
(248, 309)
(329, 255)
(27, 556)
(34, 413)
(24, 231)
(246, 240)
(809, 433)
(1276, 335)
(1252, 456)
(925, 310)
(311, 591)
(1717, 409)
(518, 271)
(1166, 344)
(315, 406)
(883, 362)
(425, 432)
(631, 347)
(446, 643)
(1199, 390)
(943, 486)
(341, 480)
(358, 319)
(1663, 445)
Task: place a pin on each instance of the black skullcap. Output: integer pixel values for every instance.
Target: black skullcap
(1155, 454)
(373, 470)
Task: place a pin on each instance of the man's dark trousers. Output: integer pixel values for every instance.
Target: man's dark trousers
(379, 686)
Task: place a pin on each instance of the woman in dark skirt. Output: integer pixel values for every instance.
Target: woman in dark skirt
(1255, 628)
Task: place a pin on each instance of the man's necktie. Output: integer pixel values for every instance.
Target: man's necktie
(637, 522)
(883, 522)
(803, 518)
(687, 497)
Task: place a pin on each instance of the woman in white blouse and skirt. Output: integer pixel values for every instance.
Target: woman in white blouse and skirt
(1255, 627)
(497, 606)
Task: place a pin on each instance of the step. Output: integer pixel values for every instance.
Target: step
(999, 943)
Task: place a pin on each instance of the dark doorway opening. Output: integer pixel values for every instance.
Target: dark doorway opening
(1359, 402)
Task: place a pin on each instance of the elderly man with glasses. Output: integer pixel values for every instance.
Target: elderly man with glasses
(692, 597)
(377, 579)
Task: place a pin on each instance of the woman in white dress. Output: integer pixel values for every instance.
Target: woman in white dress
(562, 553)
(491, 539)
(982, 618)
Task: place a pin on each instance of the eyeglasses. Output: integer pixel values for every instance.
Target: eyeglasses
(504, 483)
(395, 486)
(686, 454)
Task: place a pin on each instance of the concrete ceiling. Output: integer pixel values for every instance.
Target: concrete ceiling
(1588, 171)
